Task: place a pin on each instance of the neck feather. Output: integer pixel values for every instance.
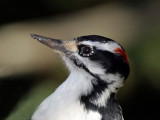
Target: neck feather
(100, 97)
(80, 97)
(88, 89)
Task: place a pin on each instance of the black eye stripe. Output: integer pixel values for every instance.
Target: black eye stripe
(113, 63)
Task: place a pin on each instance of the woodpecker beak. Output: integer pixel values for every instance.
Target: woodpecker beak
(60, 46)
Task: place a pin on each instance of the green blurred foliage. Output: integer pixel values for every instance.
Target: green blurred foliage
(146, 56)
(29, 103)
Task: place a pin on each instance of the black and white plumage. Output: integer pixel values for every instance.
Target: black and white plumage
(98, 67)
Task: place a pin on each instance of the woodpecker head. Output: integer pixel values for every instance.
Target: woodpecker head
(98, 67)
(98, 56)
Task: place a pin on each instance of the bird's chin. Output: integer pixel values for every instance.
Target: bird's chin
(70, 62)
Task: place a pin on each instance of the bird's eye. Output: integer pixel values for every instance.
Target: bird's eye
(85, 50)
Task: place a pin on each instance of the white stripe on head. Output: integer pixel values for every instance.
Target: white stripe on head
(109, 46)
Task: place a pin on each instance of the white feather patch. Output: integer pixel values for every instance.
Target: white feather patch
(93, 115)
(109, 46)
(116, 82)
(64, 103)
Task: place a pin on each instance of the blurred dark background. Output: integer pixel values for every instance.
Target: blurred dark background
(29, 71)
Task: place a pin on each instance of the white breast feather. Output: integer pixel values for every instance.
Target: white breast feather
(64, 103)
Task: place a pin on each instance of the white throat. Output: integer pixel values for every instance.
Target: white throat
(65, 102)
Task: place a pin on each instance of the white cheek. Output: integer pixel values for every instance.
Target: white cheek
(93, 67)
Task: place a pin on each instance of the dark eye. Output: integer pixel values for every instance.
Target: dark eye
(85, 50)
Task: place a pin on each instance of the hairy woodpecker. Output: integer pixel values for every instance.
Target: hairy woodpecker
(98, 67)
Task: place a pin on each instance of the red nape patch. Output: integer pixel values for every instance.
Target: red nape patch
(123, 53)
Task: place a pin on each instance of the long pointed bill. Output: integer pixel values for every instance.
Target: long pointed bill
(62, 46)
